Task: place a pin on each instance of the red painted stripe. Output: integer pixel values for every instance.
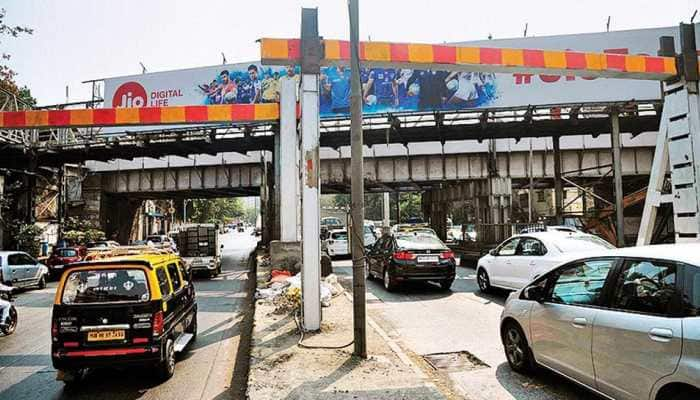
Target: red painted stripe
(399, 52)
(444, 54)
(344, 49)
(362, 51)
(243, 112)
(150, 115)
(575, 60)
(490, 56)
(14, 119)
(196, 114)
(615, 61)
(104, 116)
(59, 117)
(533, 58)
(654, 64)
(294, 49)
(107, 352)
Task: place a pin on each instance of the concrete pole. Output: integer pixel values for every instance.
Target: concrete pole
(288, 165)
(311, 186)
(558, 189)
(617, 170)
(386, 209)
(358, 187)
(531, 188)
(2, 226)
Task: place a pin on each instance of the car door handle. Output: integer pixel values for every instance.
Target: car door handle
(662, 335)
(579, 322)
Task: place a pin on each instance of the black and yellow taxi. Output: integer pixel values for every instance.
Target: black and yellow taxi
(131, 310)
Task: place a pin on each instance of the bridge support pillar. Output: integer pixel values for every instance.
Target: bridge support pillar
(285, 251)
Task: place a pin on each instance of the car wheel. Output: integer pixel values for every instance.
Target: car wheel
(166, 369)
(42, 282)
(482, 278)
(11, 323)
(389, 285)
(517, 350)
(446, 285)
(368, 272)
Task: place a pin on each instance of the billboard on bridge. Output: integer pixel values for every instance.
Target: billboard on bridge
(402, 90)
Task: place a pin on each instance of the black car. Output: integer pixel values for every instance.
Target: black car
(411, 256)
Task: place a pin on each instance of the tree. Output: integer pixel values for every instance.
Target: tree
(410, 205)
(7, 74)
(216, 210)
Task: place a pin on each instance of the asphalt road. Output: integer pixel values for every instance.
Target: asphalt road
(425, 320)
(214, 368)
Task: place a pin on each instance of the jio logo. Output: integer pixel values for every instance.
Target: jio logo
(129, 94)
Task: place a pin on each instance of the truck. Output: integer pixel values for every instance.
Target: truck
(200, 248)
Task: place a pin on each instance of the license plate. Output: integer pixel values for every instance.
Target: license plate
(427, 259)
(101, 336)
(197, 261)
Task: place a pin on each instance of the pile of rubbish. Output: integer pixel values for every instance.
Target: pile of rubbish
(284, 290)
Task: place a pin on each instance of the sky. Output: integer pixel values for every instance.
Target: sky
(79, 40)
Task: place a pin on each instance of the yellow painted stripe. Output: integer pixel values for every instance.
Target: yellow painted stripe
(332, 49)
(219, 113)
(81, 117)
(512, 57)
(635, 64)
(468, 55)
(379, 51)
(172, 114)
(127, 116)
(670, 65)
(36, 118)
(554, 59)
(420, 53)
(265, 112)
(595, 61)
(275, 48)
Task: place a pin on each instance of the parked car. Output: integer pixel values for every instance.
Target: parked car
(21, 270)
(102, 244)
(162, 240)
(63, 256)
(136, 310)
(623, 323)
(402, 257)
(521, 258)
(369, 236)
(337, 243)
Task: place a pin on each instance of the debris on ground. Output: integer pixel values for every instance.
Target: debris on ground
(283, 290)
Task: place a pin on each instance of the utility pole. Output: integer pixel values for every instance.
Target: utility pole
(357, 188)
(617, 179)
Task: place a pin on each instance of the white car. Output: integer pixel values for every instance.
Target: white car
(522, 258)
(337, 243)
(19, 269)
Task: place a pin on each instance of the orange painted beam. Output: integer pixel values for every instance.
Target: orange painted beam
(140, 116)
(486, 59)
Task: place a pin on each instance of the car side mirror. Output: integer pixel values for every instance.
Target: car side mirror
(493, 252)
(534, 293)
(222, 246)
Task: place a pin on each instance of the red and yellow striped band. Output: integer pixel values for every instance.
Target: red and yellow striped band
(488, 59)
(140, 116)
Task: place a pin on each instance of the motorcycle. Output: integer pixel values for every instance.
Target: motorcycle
(8, 312)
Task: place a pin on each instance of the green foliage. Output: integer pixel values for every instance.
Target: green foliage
(215, 210)
(79, 231)
(25, 237)
(410, 205)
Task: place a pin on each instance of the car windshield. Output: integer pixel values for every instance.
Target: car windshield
(339, 236)
(575, 243)
(418, 242)
(154, 239)
(105, 286)
(331, 221)
(66, 253)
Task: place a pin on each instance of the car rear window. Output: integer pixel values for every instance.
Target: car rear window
(66, 253)
(105, 286)
(419, 241)
(154, 239)
(575, 243)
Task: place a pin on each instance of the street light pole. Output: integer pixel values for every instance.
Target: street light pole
(357, 188)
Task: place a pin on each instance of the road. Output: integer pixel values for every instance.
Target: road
(215, 367)
(425, 320)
